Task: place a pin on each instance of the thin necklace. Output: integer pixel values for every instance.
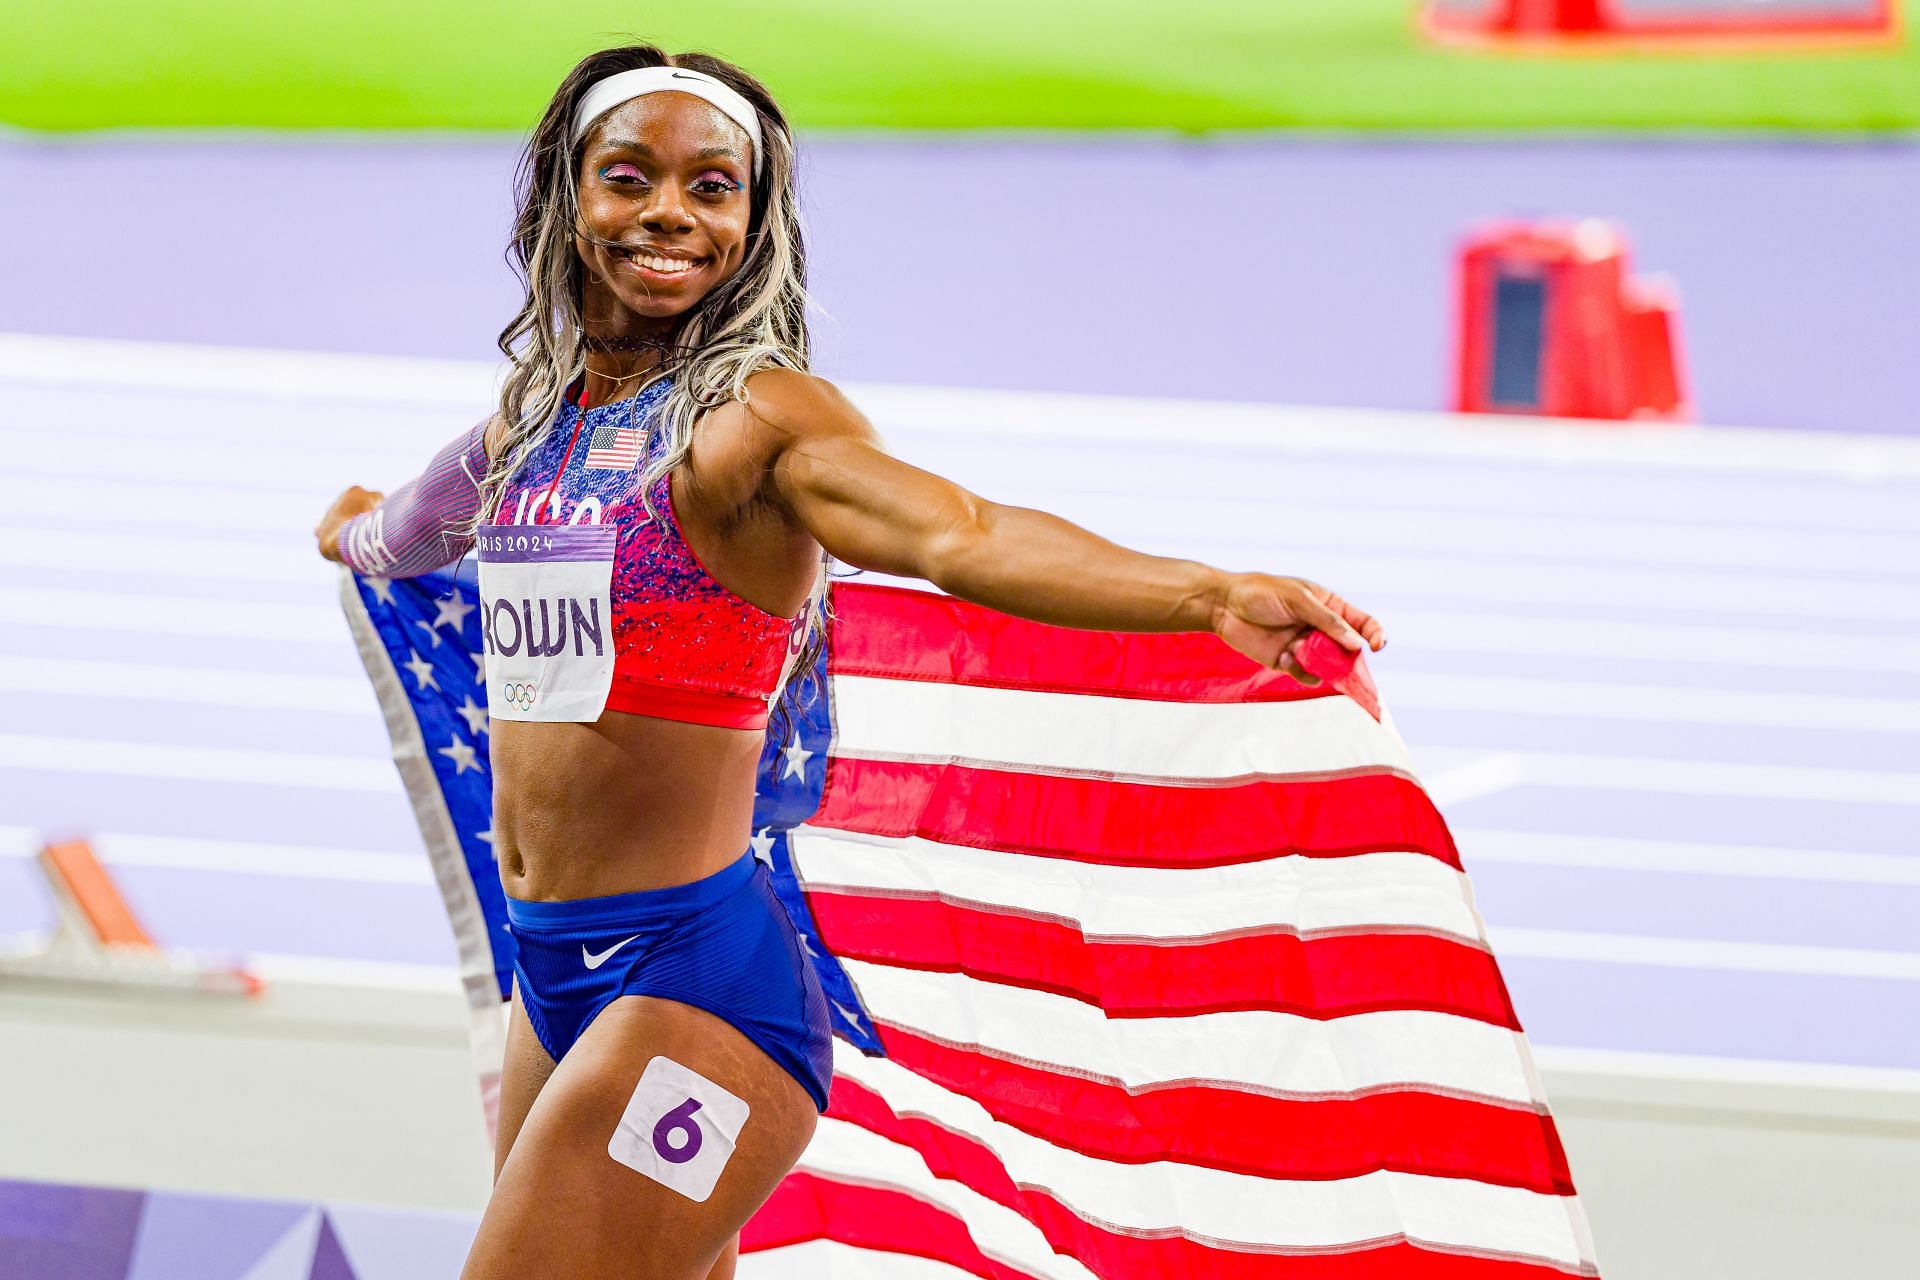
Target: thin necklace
(593, 342)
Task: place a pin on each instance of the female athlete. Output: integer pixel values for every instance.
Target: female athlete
(652, 503)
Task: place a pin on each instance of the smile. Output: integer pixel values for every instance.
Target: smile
(657, 263)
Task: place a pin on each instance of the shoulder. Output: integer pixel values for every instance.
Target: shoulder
(798, 407)
(492, 431)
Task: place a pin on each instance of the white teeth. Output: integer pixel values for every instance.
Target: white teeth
(666, 266)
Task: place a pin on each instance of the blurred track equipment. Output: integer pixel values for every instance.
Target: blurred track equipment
(100, 941)
(1551, 323)
(1692, 21)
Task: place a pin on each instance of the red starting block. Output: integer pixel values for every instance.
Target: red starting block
(1550, 323)
(99, 941)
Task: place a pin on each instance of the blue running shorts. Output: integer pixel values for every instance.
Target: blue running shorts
(723, 944)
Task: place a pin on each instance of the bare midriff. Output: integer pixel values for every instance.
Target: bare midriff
(624, 804)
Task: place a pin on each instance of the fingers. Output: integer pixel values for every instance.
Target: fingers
(1362, 621)
(1290, 666)
(1328, 615)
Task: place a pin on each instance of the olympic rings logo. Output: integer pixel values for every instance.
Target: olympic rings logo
(519, 695)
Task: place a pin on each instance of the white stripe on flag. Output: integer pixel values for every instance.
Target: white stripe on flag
(1274, 1214)
(846, 1151)
(1374, 891)
(1259, 1051)
(1124, 737)
(1237, 1208)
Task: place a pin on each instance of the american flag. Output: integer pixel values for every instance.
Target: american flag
(615, 448)
(1146, 964)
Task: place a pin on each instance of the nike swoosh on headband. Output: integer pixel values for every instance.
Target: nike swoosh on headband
(593, 961)
(605, 94)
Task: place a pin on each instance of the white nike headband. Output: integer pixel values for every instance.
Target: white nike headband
(624, 86)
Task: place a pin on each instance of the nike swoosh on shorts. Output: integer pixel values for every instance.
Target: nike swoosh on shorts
(593, 961)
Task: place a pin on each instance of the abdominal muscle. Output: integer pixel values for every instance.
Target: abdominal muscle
(624, 804)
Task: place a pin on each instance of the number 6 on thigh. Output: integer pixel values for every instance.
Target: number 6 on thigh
(679, 1128)
(658, 1135)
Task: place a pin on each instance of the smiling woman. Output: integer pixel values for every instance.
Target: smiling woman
(652, 503)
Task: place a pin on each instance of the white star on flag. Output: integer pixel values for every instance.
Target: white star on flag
(849, 1014)
(474, 714)
(452, 612)
(762, 844)
(463, 756)
(486, 835)
(431, 633)
(382, 588)
(479, 666)
(422, 672)
(797, 757)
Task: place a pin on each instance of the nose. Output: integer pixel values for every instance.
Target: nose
(667, 213)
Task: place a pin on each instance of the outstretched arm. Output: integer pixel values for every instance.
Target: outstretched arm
(423, 525)
(875, 512)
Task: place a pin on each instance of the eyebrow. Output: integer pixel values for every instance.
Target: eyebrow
(708, 153)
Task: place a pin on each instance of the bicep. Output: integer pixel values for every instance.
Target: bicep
(868, 508)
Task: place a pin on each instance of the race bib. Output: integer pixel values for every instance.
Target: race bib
(547, 619)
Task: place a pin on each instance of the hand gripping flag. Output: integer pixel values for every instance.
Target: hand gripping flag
(1145, 963)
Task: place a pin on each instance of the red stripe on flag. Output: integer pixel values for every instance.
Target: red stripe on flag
(1215, 1125)
(1133, 824)
(1324, 977)
(901, 634)
(806, 1206)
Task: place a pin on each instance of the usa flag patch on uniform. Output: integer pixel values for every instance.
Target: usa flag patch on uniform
(615, 448)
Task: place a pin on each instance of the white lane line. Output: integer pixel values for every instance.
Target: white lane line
(198, 686)
(225, 559)
(237, 857)
(97, 756)
(1701, 953)
(291, 553)
(234, 511)
(303, 483)
(1613, 853)
(1413, 629)
(974, 413)
(1375, 520)
(1528, 696)
(1716, 1070)
(31, 359)
(177, 615)
(1709, 778)
(1628, 639)
(92, 363)
(376, 975)
(1356, 523)
(1474, 780)
(1645, 591)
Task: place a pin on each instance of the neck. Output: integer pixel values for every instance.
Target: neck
(623, 348)
(615, 375)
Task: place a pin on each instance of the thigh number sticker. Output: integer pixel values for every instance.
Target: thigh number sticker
(679, 1129)
(678, 1150)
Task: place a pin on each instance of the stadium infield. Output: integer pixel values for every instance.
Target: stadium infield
(1194, 65)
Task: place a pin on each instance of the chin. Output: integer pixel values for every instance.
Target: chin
(660, 306)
